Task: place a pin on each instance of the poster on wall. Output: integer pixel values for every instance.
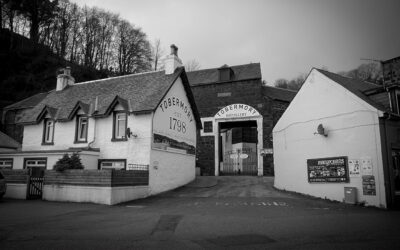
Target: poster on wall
(174, 128)
(368, 183)
(354, 167)
(333, 169)
(366, 166)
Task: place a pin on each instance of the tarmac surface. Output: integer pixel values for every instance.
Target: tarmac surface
(210, 213)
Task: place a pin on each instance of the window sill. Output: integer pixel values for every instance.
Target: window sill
(80, 142)
(47, 143)
(117, 139)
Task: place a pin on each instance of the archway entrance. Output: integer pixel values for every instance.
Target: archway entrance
(238, 148)
(238, 140)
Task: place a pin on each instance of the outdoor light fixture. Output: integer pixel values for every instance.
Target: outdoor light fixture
(129, 133)
(321, 131)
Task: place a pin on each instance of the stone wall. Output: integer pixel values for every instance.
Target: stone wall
(210, 98)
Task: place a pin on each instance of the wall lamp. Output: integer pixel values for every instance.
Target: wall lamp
(321, 131)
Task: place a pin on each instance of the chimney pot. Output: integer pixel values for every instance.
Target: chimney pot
(172, 61)
(64, 79)
(174, 50)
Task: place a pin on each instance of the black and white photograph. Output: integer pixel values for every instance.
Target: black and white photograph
(199, 124)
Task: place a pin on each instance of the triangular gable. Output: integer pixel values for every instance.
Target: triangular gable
(189, 95)
(79, 105)
(117, 100)
(47, 110)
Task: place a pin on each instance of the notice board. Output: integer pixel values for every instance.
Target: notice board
(332, 169)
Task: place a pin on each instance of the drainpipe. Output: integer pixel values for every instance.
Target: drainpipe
(94, 121)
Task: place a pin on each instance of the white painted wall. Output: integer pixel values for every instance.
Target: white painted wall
(353, 131)
(88, 158)
(99, 195)
(16, 191)
(169, 169)
(64, 136)
(134, 150)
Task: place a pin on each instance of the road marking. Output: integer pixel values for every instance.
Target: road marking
(133, 206)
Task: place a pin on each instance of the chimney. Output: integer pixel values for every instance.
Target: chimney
(172, 61)
(64, 79)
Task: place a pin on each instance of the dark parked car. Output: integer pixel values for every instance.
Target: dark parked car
(3, 186)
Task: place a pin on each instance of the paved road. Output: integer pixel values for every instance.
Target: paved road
(213, 213)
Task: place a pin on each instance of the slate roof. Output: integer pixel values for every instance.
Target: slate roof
(357, 87)
(208, 76)
(280, 94)
(8, 142)
(142, 92)
(27, 102)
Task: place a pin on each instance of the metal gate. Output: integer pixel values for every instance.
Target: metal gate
(240, 162)
(35, 188)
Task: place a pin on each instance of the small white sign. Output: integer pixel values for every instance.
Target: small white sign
(354, 167)
(267, 151)
(366, 166)
(243, 156)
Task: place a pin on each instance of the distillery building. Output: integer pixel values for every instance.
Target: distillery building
(237, 113)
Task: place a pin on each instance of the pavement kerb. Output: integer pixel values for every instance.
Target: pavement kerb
(203, 182)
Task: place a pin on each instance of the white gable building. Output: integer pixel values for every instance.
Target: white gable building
(147, 121)
(337, 133)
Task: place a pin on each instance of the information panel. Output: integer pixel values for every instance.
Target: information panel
(334, 169)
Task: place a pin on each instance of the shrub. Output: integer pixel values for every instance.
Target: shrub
(75, 161)
(67, 162)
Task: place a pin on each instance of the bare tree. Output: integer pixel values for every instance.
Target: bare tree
(157, 52)
(192, 65)
(281, 83)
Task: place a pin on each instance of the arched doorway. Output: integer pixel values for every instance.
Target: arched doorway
(238, 140)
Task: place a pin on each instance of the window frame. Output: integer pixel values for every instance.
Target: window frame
(100, 161)
(207, 119)
(204, 126)
(115, 126)
(44, 139)
(7, 159)
(78, 127)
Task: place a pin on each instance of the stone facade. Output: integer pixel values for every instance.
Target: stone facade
(210, 98)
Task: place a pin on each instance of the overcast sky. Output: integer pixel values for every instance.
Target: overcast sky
(288, 37)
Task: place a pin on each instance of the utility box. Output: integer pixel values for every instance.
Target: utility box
(350, 195)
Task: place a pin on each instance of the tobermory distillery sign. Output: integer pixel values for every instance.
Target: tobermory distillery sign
(237, 111)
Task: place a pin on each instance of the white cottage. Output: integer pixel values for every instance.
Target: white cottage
(340, 133)
(145, 120)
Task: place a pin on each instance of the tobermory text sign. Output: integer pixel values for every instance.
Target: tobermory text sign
(237, 111)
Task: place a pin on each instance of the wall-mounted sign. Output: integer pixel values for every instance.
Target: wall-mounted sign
(174, 127)
(368, 183)
(266, 151)
(237, 111)
(366, 166)
(354, 167)
(333, 169)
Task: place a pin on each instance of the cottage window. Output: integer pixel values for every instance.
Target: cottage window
(112, 164)
(48, 131)
(6, 163)
(81, 129)
(120, 123)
